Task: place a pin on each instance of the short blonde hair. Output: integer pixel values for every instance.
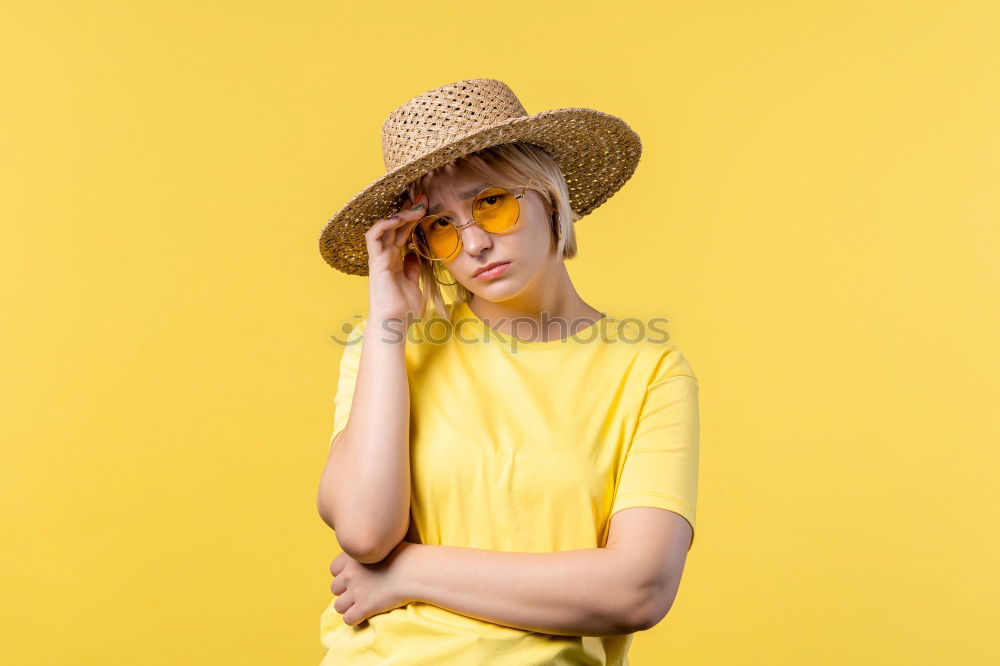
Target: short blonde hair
(523, 165)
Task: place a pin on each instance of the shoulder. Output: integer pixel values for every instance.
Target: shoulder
(671, 362)
(648, 344)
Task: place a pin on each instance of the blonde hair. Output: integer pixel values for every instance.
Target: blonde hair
(523, 165)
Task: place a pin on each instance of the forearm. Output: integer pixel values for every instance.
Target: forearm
(586, 592)
(365, 488)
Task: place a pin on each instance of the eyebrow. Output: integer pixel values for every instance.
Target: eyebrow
(465, 195)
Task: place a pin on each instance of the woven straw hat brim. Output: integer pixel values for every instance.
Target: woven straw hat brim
(596, 152)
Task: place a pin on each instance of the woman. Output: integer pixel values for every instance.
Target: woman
(512, 476)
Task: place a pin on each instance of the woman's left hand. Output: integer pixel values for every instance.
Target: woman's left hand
(363, 590)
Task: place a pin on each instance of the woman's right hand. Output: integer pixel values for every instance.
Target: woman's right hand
(393, 279)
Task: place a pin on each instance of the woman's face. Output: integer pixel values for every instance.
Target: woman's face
(529, 250)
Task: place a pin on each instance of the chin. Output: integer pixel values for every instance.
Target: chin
(495, 290)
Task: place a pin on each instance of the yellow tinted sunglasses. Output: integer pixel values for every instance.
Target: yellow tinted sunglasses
(495, 209)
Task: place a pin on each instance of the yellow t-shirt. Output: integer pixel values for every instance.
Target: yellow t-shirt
(528, 447)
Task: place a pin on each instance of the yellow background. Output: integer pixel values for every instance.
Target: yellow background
(816, 210)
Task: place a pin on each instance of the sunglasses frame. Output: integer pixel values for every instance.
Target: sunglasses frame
(458, 227)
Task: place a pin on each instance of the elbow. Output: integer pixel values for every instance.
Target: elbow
(651, 605)
(366, 551)
(648, 617)
(363, 545)
(359, 541)
(323, 513)
(362, 549)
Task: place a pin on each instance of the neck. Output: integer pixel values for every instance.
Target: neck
(549, 297)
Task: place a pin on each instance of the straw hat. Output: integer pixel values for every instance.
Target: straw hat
(596, 152)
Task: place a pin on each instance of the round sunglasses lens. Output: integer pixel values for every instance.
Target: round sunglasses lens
(496, 210)
(435, 237)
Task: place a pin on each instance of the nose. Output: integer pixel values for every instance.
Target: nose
(474, 239)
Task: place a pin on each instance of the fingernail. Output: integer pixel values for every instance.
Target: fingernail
(394, 217)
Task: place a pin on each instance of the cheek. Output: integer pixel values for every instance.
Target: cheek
(527, 245)
(538, 238)
(541, 238)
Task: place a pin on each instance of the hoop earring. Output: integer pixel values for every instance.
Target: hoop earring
(443, 284)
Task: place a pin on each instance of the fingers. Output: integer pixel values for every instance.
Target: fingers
(409, 219)
(343, 603)
(338, 563)
(393, 232)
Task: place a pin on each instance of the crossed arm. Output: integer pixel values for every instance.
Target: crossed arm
(627, 586)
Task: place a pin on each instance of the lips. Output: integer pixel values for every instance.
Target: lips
(487, 267)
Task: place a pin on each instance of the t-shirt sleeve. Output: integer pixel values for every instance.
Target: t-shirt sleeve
(661, 465)
(350, 360)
